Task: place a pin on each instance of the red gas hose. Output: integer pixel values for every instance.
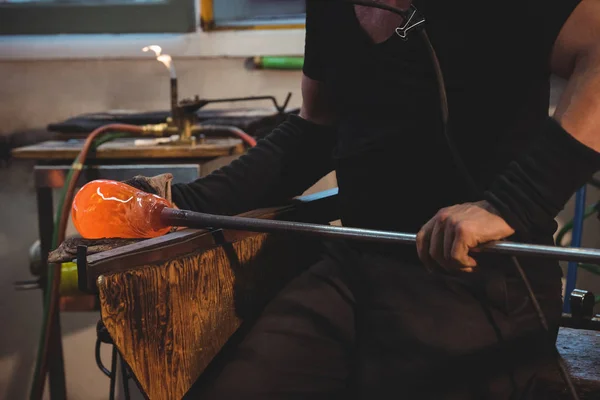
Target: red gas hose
(233, 130)
(77, 167)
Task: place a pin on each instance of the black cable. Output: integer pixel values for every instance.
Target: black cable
(465, 172)
(562, 366)
(445, 114)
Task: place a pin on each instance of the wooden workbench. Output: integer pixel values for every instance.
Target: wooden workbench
(118, 160)
(581, 351)
(125, 149)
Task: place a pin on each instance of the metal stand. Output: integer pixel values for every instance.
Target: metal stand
(571, 279)
(104, 337)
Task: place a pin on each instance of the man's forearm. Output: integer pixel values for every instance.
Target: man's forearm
(284, 164)
(578, 110)
(564, 156)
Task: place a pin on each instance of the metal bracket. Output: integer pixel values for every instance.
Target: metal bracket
(195, 104)
(414, 19)
(82, 268)
(582, 304)
(582, 312)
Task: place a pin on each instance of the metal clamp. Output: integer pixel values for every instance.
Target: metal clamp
(82, 268)
(582, 312)
(582, 304)
(413, 20)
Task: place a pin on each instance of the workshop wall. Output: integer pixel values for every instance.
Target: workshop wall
(34, 94)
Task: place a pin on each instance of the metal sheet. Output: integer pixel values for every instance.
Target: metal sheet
(54, 176)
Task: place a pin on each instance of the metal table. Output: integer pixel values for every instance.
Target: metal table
(117, 160)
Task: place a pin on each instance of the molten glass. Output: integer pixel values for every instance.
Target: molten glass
(110, 209)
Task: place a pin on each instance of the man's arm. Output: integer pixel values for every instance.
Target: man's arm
(534, 188)
(576, 57)
(317, 106)
(283, 165)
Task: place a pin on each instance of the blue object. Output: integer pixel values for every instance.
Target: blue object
(575, 242)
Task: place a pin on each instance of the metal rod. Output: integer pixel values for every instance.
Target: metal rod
(125, 377)
(577, 232)
(113, 374)
(173, 217)
(174, 97)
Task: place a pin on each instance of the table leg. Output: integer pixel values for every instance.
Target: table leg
(56, 370)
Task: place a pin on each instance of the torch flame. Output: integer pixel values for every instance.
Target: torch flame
(165, 59)
(156, 49)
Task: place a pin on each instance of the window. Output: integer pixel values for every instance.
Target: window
(42, 17)
(224, 14)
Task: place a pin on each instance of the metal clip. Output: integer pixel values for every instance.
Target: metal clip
(413, 19)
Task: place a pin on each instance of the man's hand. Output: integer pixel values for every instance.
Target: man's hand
(159, 185)
(446, 239)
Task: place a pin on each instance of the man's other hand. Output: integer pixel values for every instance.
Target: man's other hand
(446, 239)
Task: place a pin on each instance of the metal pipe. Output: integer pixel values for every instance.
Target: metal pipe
(174, 100)
(571, 281)
(173, 217)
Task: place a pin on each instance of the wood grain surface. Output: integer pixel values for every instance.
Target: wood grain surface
(169, 320)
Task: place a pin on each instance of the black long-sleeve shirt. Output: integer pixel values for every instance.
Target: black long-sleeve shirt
(393, 166)
(282, 165)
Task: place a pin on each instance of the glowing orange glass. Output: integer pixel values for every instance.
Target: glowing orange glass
(111, 209)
